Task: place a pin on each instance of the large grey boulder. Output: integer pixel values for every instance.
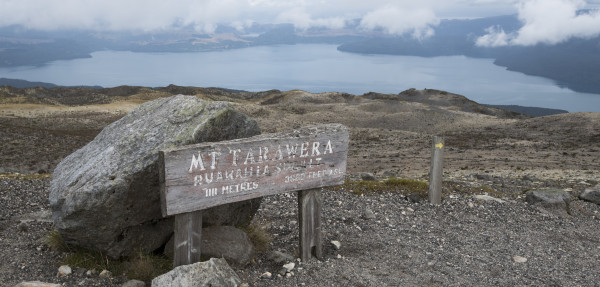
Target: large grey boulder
(214, 272)
(105, 196)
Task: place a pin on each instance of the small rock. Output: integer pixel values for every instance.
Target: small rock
(105, 274)
(483, 176)
(80, 271)
(64, 270)
(22, 227)
(339, 256)
(336, 244)
(367, 176)
(36, 284)
(388, 173)
(266, 275)
(91, 272)
(280, 257)
(488, 198)
(591, 195)
(213, 272)
(244, 285)
(369, 214)
(289, 267)
(283, 271)
(519, 259)
(552, 200)
(415, 197)
(134, 283)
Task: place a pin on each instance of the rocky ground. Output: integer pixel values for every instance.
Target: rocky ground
(386, 239)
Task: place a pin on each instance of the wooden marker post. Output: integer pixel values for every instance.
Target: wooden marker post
(201, 176)
(435, 175)
(310, 203)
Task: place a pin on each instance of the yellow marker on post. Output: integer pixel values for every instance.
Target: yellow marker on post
(439, 145)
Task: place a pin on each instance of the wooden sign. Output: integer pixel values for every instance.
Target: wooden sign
(200, 176)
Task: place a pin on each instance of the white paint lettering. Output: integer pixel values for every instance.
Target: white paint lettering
(197, 180)
(208, 180)
(235, 155)
(304, 148)
(328, 147)
(229, 175)
(214, 156)
(291, 150)
(249, 156)
(278, 153)
(196, 163)
(315, 149)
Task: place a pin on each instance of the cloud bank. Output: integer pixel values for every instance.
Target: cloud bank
(416, 18)
(547, 22)
(394, 20)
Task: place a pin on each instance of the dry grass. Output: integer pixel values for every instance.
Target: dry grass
(145, 266)
(402, 185)
(142, 266)
(25, 176)
(260, 237)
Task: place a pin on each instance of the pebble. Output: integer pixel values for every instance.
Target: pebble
(64, 270)
(488, 198)
(369, 214)
(22, 227)
(519, 259)
(336, 244)
(105, 274)
(289, 267)
(266, 275)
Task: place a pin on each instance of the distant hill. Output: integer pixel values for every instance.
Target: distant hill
(16, 83)
(24, 84)
(530, 111)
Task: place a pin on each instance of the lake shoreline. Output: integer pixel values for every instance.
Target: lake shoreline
(314, 68)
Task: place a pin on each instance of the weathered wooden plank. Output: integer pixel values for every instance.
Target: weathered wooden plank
(310, 203)
(200, 176)
(187, 238)
(435, 177)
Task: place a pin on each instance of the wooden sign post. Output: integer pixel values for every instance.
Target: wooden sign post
(201, 176)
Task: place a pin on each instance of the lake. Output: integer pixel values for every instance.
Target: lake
(313, 68)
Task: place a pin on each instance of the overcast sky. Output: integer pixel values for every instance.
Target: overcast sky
(548, 21)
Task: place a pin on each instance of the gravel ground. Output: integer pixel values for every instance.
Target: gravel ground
(463, 242)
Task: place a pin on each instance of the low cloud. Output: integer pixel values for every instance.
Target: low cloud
(303, 20)
(141, 15)
(548, 22)
(417, 21)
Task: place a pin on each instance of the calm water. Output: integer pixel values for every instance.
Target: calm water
(313, 68)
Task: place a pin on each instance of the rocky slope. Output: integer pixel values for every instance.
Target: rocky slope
(462, 242)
